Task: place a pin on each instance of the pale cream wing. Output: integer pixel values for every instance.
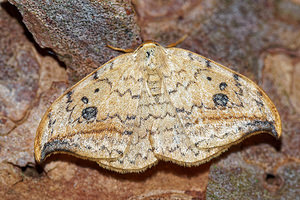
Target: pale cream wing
(95, 118)
(139, 155)
(215, 105)
(169, 137)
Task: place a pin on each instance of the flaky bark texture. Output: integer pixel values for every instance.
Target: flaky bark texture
(59, 43)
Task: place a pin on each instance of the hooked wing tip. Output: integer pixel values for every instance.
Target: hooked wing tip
(271, 127)
(44, 150)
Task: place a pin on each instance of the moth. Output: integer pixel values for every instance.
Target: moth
(152, 104)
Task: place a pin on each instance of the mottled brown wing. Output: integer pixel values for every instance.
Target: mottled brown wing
(95, 118)
(216, 106)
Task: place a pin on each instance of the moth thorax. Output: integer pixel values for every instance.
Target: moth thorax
(151, 61)
(152, 56)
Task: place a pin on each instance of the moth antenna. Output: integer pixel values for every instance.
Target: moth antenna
(178, 41)
(120, 49)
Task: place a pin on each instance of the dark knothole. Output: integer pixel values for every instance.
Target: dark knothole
(270, 177)
(220, 99)
(274, 182)
(85, 99)
(31, 171)
(222, 86)
(89, 113)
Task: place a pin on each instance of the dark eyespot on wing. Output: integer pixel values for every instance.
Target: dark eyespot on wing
(89, 113)
(222, 86)
(220, 99)
(85, 100)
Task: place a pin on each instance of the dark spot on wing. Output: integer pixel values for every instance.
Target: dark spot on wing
(179, 110)
(190, 56)
(111, 65)
(127, 132)
(236, 77)
(220, 99)
(259, 93)
(89, 113)
(207, 63)
(136, 96)
(208, 78)
(140, 80)
(85, 100)
(95, 76)
(222, 86)
(69, 94)
(96, 90)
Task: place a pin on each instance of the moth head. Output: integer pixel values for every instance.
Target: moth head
(151, 53)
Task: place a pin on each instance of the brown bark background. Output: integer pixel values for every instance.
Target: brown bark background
(47, 46)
